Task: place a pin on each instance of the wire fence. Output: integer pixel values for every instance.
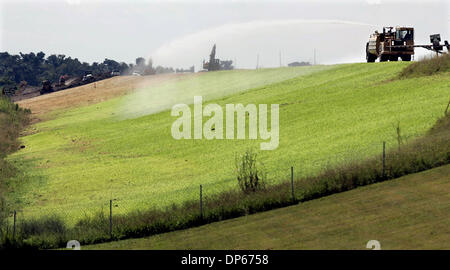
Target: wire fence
(199, 195)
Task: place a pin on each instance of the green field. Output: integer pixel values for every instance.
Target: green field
(122, 149)
(411, 212)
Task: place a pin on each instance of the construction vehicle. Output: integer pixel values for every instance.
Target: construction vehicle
(88, 78)
(46, 87)
(392, 44)
(436, 44)
(65, 82)
(62, 81)
(9, 91)
(216, 64)
(213, 64)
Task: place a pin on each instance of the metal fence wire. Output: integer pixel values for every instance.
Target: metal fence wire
(108, 213)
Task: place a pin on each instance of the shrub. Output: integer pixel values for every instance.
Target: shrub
(13, 119)
(43, 225)
(249, 177)
(427, 66)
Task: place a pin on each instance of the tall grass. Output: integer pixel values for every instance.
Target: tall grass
(424, 153)
(12, 121)
(427, 66)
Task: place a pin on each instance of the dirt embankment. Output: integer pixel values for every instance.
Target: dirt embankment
(91, 93)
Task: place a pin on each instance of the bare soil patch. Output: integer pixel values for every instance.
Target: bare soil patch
(91, 93)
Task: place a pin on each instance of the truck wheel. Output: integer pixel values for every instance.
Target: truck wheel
(406, 57)
(393, 58)
(371, 58)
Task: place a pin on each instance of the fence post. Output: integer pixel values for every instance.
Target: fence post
(14, 226)
(110, 218)
(292, 184)
(201, 203)
(384, 159)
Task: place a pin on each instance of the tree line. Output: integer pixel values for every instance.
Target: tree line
(33, 68)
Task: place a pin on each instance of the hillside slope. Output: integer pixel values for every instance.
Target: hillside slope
(91, 93)
(13, 120)
(411, 212)
(76, 162)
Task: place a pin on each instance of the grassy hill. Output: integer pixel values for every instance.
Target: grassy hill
(121, 149)
(411, 212)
